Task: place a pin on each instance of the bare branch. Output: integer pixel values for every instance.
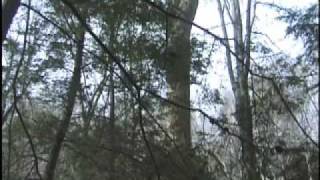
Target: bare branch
(228, 55)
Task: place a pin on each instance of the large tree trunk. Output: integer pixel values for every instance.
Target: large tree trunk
(177, 66)
(71, 97)
(178, 60)
(9, 10)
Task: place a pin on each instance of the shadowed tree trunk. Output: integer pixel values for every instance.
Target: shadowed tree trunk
(112, 113)
(9, 10)
(68, 109)
(297, 168)
(177, 66)
(178, 61)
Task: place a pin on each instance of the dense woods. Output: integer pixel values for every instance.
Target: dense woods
(129, 89)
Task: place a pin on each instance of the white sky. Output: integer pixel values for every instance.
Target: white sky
(208, 17)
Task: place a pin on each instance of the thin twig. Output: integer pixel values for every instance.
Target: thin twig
(145, 137)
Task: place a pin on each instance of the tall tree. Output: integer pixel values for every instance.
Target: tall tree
(239, 82)
(178, 62)
(74, 86)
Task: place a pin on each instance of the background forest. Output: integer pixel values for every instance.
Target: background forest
(128, 89)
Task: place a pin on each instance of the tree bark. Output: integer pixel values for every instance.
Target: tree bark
(177, 66)
(9, 10)
(71, 97)
(112, 116)
(178, 57)
(243, 109)
(240, 86)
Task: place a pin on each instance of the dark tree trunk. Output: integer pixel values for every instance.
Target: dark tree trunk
(71, 97)
(9, 10)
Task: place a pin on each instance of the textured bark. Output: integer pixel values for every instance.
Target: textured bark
(178, 57)
(9, 10)
(64, 124)
(297, 168)
(177, 64)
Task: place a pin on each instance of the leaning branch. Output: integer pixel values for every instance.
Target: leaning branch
(15, 97)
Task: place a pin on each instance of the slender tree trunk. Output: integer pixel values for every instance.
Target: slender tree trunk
(240, 86)
(228, 53)
(9, 10)
(243, 109)
(112, 121)
(112, 159)
(245, 121)
(71, 97)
